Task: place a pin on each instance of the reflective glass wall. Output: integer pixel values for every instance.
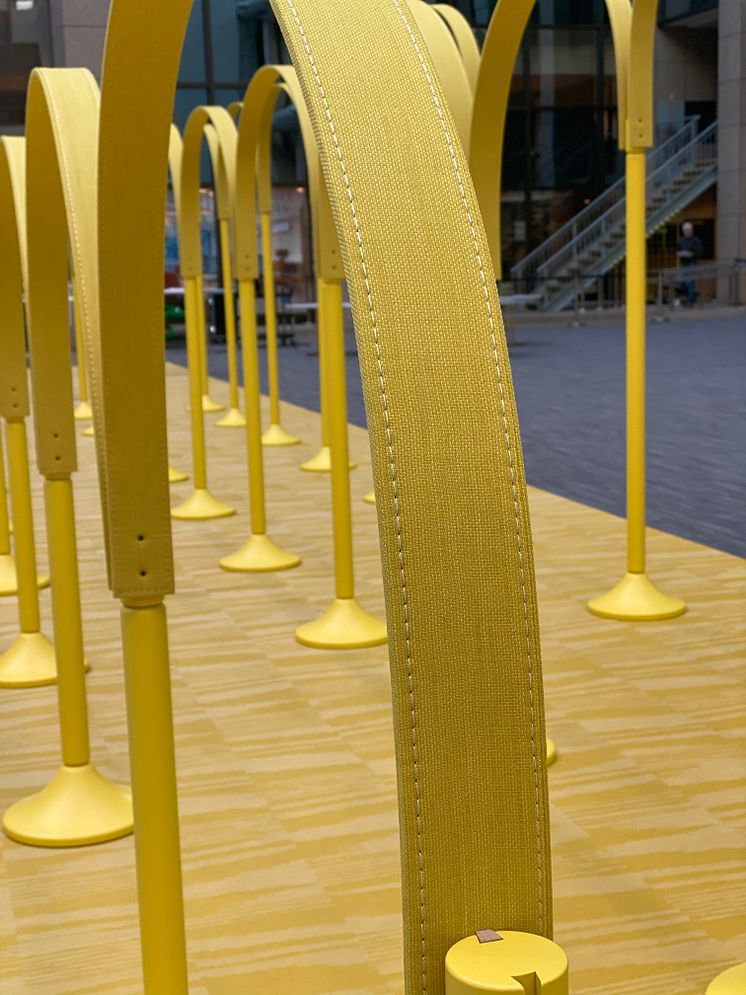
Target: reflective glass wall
(24, 43)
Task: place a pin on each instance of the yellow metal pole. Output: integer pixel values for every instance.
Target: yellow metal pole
(259, 553)
(635, 307)
(322, 461)
(233, 418)
(208, 405)
(8, 579)
(83, 411)
(78, 806)
(30, 661)
(201, 504)
(154, 791)
(506, 963)
(275, 434)
(345, 624)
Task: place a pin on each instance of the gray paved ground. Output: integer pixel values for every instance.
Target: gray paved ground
(570, 388)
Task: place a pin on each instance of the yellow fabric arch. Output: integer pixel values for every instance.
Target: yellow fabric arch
(14, 398)
(453, 516)
(463, 35)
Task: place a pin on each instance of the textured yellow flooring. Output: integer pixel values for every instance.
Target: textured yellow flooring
(286, 771)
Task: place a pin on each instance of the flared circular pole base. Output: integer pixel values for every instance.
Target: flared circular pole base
(176, 476)
(233, 418)
(9, 579)
(277, 436)
(78, 807)
(259, 555)
(88, 432)
(30, 662)
(370, 498)
(551, 752)
(202, 505)
(491, 962)
(321, 462)
(83, 412)
(636, 599)
(208, 405)
(730, 982)
(344, 625)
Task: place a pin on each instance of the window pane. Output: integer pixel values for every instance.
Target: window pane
(192, 67)
(563, 67)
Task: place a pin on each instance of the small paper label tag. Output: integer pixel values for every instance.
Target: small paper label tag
(487, 936)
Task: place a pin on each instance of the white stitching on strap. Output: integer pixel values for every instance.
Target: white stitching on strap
(519, 540)
(394, 486)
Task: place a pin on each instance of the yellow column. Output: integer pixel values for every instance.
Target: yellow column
(30, 661)
(208, 405)
(635, 596)
(345, 624)
(153, 775)
(259, 553)
(275, 434)
(8, 579)
(78, 806)
(83, 411)
(506, 963)
(233, 418)
(201, 504)
(322, 461)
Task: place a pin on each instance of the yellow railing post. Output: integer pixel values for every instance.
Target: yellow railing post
(344, 624)
(233, 417)
(8, 579)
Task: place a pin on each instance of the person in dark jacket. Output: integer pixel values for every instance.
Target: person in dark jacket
(689, 251)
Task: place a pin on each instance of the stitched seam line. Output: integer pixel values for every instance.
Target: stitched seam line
(394, 486)
(519, 540)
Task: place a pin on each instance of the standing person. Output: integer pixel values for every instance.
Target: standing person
(689, 250)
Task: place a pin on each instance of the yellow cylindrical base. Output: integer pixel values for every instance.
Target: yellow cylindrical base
(30, 662)
(208, 405)
(233, 418)
(321, 462)
(636, 599)
(88, 432)
(344, 625)
(277, 436)
(514, 964)
(9, 579)
(370, 498)
(202, 505)
(83, 412)
(78, 807)
(730, 982)
(176, 476)
(259, 555)
(551, 752)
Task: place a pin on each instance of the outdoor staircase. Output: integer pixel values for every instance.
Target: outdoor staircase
(579, 253)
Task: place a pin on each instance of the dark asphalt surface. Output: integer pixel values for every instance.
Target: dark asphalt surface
(569, 384)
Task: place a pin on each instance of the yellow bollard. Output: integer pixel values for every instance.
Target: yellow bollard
(730, 982)
(345, 624)
(275, 434)
(370, 498)
(233, 418)
(30, 661)
(176, 476)
(201, 504)
(635, 597)
(259, 553)
(78, 806)
(321, 462)
(83, 410)
(8, 579)
(506, 963)
(208, 405)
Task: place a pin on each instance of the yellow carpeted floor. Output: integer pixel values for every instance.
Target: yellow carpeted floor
(286, 769)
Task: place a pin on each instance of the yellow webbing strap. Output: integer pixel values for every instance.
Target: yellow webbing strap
(452, 505)
(61, 127)
(620, 18)
(463, 34)
(14, 400)
(640, 118)
(254, 178)
(448, 64)
(500, 50)
(223, 153)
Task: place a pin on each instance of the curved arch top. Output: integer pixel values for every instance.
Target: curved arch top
(464, 38)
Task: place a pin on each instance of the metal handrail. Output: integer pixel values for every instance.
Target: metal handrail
(612, 220)
(598, 207)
